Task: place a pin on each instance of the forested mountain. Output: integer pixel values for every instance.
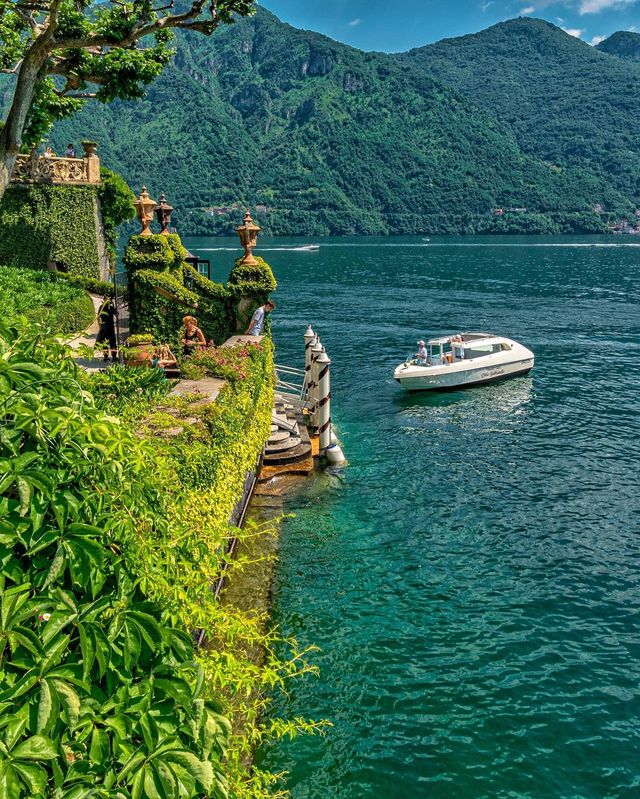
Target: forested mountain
(566, 102)
(329, 139)
(625, 44)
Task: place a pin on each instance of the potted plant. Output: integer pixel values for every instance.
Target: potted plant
(139, 350)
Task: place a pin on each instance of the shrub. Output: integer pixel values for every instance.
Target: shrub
(92, 284)
(228, 363)
(100, 691)
(45, 297)
(43, 224)
(127, 391)
(252, 280)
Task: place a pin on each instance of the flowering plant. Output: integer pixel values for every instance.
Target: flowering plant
(228, 363)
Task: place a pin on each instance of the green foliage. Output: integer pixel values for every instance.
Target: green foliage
(42, 224)
(342, 142)
(200, 474)
(140, 338)
(158, 301)
(100, 691)
(557, 95)
(44, 297)
(624, 44)
(116, 202)
(92, 48)
(163, 288)
(228, 363)
(128, 392)
(95, 286)
(253, 280)
(162, 253)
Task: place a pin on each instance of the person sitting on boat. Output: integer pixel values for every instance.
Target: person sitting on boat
(422, 355)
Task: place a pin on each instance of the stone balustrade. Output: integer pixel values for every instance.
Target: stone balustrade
(36, 168)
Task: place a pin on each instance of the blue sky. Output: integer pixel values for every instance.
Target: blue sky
(393, 25)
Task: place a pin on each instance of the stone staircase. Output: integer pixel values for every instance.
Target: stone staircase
(289, 441)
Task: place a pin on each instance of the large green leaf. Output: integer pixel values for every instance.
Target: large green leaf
(38, 747)
(34, 777)
(47, 708)
(69, 700)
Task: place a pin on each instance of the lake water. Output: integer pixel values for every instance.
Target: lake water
(472, 578)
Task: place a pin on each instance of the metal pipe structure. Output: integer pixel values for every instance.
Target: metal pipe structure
(316, 349)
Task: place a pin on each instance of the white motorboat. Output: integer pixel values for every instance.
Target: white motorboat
(465, 359)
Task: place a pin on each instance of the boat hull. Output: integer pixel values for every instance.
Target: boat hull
(449, 378)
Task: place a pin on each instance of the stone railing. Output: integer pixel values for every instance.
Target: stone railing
(36, 168)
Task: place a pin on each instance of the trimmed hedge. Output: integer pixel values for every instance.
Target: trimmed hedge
(255, 280)
(162, 253)
(43, 223)
(163, 288)
(95, 286)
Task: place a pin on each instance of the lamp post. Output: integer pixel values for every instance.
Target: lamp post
(163, 214)
(248, 233)
(144, 209)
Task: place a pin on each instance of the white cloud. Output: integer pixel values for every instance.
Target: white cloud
(355, 22)
(484, 6)
(595, 6)
(596, 40)
(632, 29)
(528, 10)
(577, 32)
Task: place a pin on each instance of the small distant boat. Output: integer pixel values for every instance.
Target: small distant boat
(309, 247)
(463, 360)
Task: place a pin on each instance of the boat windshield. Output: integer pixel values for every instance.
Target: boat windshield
(480, 350)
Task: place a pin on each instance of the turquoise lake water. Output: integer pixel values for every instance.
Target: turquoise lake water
(472, 578)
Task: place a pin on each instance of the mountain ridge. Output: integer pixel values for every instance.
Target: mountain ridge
(575, 112)
(331, 139)
(624, 44)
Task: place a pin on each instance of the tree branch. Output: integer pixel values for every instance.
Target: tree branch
(27, 18)
(75, 95)
(189, 19)
(13, 70)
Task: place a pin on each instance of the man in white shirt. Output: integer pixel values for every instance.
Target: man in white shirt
(421, 355)
(257, 320)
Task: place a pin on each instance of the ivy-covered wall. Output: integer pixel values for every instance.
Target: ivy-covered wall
(41, 224)
(163, 288)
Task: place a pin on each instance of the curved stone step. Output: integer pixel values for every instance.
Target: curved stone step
(298, 453)
(283, 446)
(278, 437)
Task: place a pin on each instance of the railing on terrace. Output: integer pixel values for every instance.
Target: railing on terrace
(36, 168)
(290, 382)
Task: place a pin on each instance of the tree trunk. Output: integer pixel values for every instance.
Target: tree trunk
(11, 136)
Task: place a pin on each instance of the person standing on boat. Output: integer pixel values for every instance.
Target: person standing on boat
(257, 320)
(458, 348)
(422, 355)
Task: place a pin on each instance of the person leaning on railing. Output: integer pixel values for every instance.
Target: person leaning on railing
(257, 320)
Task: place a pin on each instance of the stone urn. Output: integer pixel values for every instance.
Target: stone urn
(140, 350)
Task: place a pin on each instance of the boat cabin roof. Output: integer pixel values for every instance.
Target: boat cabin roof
(469, 339)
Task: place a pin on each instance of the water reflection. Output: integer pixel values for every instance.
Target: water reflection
(498, 407)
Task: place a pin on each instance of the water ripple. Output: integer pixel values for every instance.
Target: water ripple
(474, 579)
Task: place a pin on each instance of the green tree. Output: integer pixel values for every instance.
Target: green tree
(64, 52)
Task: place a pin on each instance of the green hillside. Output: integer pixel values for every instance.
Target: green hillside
(329, 140)
(624, 44)
(566, 102)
